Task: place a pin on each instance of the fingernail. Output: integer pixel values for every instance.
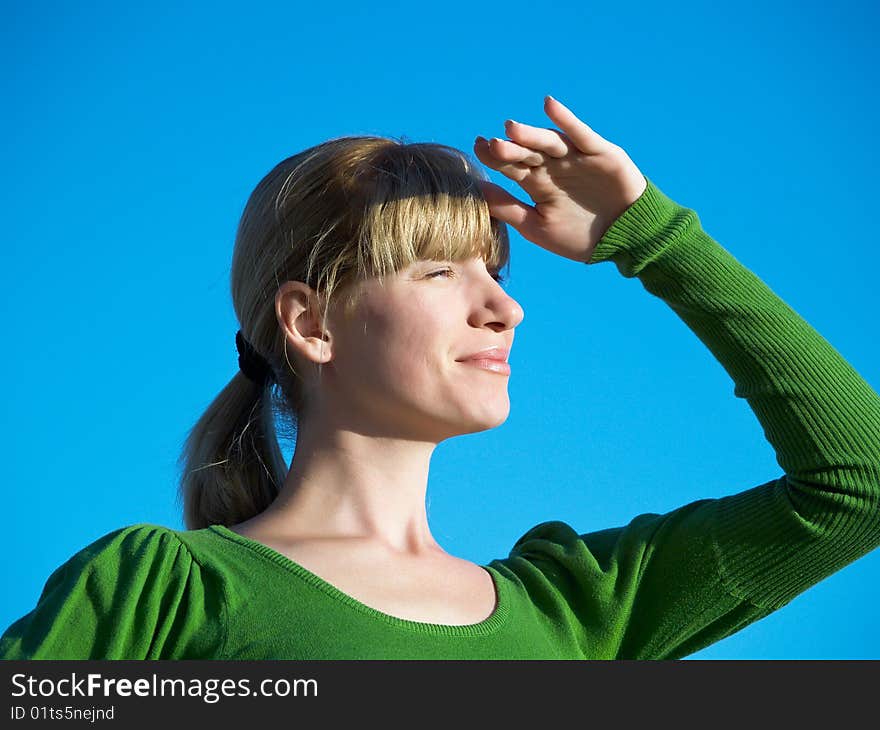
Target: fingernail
(511, 121)
(548, 97)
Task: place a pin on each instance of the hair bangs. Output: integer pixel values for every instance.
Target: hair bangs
(425, 203)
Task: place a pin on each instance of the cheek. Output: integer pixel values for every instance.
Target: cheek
(414, 359)
(417, 364)
(385, 356)
(408, 347)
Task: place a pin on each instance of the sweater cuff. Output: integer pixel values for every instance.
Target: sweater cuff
(642, 231)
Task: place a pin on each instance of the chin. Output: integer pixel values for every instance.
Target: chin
(481, 413)
(488, 421)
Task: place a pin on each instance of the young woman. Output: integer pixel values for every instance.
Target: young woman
(365, 280)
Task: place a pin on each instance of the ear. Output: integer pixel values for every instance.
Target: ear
(297, 307)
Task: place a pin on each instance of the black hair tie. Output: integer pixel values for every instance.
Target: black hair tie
(251, 362)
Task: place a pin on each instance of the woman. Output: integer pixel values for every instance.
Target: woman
(365, 278)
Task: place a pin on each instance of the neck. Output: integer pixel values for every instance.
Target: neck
(344, 484)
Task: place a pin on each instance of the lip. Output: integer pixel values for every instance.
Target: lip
(495, 353)
(494, 366)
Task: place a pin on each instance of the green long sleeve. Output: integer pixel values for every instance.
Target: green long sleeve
(668, 585)
(821, 418)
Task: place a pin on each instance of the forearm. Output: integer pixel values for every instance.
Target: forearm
(820, 416)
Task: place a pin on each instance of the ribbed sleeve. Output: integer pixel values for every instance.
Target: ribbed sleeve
(135, 593)
(821, 418)
(664, 586)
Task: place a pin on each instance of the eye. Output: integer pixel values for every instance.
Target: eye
(497, 276)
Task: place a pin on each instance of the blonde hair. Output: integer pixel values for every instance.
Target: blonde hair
(334, 214)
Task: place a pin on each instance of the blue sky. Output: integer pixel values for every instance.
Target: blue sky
(133, 135)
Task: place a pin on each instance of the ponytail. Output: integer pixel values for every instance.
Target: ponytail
(232, 465)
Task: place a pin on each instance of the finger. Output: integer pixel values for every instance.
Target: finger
(505, 207)
(548, 141)
(509, 151)
(514, 170)
(580, 134)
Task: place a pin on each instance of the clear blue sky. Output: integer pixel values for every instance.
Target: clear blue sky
(133, 135)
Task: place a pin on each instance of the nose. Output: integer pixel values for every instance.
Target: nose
(500, 311)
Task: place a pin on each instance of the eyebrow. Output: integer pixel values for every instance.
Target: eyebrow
(419, 263)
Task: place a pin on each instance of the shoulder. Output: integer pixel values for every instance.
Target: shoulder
(555, 538)
(129, 541)
(622, 549)
(137, 534)
(133, 593)
(141, 551)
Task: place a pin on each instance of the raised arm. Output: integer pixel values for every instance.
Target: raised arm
(683, 580)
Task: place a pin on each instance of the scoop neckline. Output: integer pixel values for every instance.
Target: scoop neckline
(487, 626)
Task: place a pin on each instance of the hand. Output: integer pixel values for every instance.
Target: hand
(579, 182)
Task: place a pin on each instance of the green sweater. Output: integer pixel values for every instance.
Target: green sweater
(661, 587)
